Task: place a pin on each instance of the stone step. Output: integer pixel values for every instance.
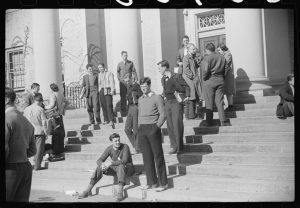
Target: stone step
(237, 138)
(203, 182)
(205, 158)
(250, 147)
(255, 99)
(190, 130)
(234, 171)
(176, 194)
(76, 124)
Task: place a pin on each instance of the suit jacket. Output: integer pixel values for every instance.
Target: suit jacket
(179, 58)
(86, 84)
(28, 100)
(59, 100)
(19, 137)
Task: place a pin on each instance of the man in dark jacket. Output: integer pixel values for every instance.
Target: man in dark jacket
(174, 109)
(286, 106)
(131, 126)
(90, 83)
(29, 98)
(213, 76)
(19, 146)
(120, 165)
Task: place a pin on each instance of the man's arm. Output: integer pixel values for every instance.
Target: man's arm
(112, 82)
(162, 113)
(163, 85)
(119, 72)
(125, 157)
(104, 155)
(44, 122)
(26, 101)
(178, 58)
(31, 151)
(183, 84)
(7, 138)
(186, 68)
(205, 71)
(134, 74)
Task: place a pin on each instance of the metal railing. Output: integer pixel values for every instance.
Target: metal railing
(72, 94)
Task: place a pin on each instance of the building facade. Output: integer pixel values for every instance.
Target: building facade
(54, 45)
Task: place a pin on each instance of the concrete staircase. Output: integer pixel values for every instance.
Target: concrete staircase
(252, 160)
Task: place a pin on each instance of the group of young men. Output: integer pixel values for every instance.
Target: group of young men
(25, 136)
(147, 111)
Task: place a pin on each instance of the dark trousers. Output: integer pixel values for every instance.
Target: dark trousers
(131, 126)
(123, 92)
(121, 171)
(18, 181)
(213, 91)
(107, 106)
(40, 149)
(93, 106)
(150, 139)
(174, 111)
(58, 136)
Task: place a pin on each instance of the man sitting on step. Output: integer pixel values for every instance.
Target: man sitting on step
(120, 165)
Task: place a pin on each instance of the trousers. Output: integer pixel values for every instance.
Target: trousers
(40, 149)
(106, 102)
(150, 139)
(123, 92)
(121, 171)
(131, 126)
(18, 181)
(93, 106)
(213, 91)
(174, 111)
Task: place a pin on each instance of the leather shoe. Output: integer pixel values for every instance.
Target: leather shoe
(161, 188)
(84, 194)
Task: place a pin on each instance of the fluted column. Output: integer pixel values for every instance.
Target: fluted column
(123, 33)
(46, 49)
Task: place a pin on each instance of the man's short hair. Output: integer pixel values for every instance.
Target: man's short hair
(102, 64)
(114, 135)
(146, 80)
(211, 47)
(164, 63)
(123, 52)
(185, 36)
(38, 97)
(223, 47)
(289, 77)
(10, 94)
(54, 87)
(89, 65)
(35, 85)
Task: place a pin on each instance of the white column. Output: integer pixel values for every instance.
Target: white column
(244, 38)
(123, 33)
(46, 49)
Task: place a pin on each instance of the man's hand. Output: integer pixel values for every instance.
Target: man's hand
(180, 63)
(186, 99)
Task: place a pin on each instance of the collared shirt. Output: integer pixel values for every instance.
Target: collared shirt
(185, 51)
(91, 80)
(36, 115)
(124, 68)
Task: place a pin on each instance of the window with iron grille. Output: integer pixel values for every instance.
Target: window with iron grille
(15, 68)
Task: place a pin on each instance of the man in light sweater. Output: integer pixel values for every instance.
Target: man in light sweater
(150, 119)
(19, 146)
(120, 165)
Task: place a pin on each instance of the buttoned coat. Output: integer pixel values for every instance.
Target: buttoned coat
(86, 85)
(191, 76)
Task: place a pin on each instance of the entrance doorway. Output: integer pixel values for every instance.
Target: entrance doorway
(216, 40)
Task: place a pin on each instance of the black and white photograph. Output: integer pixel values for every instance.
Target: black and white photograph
(149, 105)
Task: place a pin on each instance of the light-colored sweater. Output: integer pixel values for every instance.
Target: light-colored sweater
(151, 110)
